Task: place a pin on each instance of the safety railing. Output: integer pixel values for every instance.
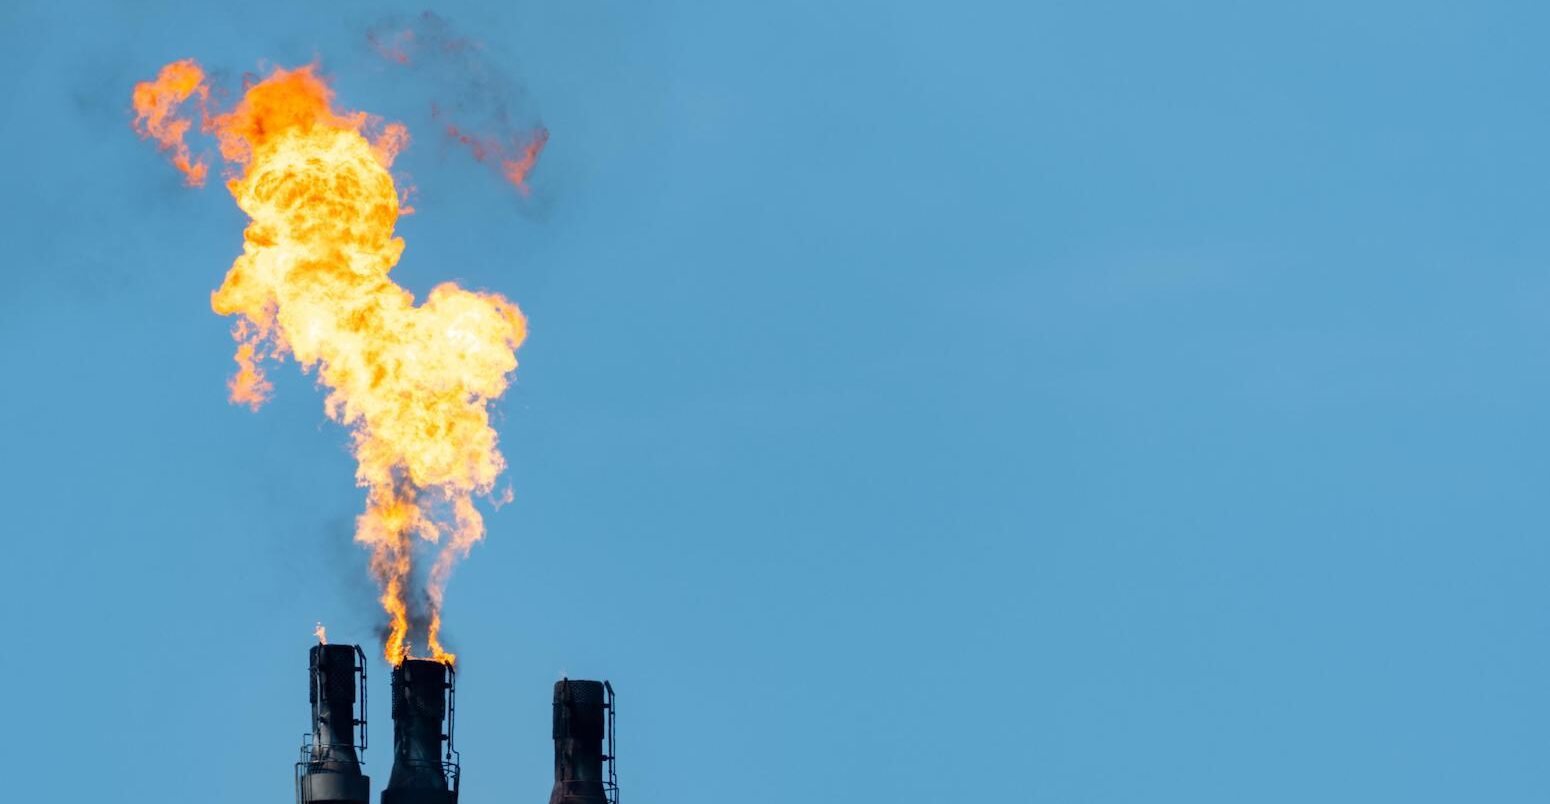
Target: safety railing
(311, 761)
(611, 786)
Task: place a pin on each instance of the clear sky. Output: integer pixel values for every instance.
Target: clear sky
(1048, 401)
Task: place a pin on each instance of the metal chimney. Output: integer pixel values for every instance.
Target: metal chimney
(581, 709)
(330, 768)
(423, 702)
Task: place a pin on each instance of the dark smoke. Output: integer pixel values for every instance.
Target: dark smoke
(477, 104)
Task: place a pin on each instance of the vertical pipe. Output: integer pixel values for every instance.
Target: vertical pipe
(419, 774)
(578, 743)
(331, 772)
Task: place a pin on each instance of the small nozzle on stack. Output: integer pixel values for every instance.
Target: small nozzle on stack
(422, 772)
(330, 768)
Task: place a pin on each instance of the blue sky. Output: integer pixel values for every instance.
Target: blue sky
(1076, 402)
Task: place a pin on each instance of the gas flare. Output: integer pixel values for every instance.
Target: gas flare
(412, 383)
(321, 633)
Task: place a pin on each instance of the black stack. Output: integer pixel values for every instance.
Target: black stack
(578, 743)
(330, 770)
(423, 770)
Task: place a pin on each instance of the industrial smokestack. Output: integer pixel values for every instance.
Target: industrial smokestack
(423, 702)
(581, 709)
(330, 768)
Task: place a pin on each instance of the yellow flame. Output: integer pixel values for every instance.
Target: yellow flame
(321, 633)
(413, 383)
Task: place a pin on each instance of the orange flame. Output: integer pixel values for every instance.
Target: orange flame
(516, 170)
(515, 161)
(321, 633)
(413, 383)
(156, 104)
